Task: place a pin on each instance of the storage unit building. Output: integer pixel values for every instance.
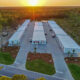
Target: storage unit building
(38, 23)
(59, 32)
(66, 43)
(57, 29)
(38, 34)
(24, 26)
(38, 28)
(51, 22)
(15, 39)
(38, 38)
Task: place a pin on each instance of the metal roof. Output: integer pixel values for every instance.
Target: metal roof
(52, 22)
(38, 24)
(59, 32)
(23, 26)
(54, 25)
(16, 36)
(68, 42)
(26, 22)
(40, 28)
(63, 37)
(38, 36)
(57, 29)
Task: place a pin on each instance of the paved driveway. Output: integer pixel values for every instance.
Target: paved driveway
(25, 47)
(57, 54)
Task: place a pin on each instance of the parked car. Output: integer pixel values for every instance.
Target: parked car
(53, 35)
(4, 34)
(45, 33)
(30, 41)
(51, 30)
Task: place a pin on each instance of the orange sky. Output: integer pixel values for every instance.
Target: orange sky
(4, 3)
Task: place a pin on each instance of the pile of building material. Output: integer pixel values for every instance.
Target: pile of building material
(38, 34)
(15, 39)
(67, 44)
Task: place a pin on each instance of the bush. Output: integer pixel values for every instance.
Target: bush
(19, 77)
(41, 78)
(5, 78)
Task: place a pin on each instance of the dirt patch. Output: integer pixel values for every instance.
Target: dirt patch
(75, 60)
(43, 56)
(12, 50)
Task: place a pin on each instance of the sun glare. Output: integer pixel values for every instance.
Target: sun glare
(33, 2)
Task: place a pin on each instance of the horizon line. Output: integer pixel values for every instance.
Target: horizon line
(43, 6)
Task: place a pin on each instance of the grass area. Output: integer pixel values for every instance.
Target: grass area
(40, 66)
(71, 24)
(75, 70)
(6, 58)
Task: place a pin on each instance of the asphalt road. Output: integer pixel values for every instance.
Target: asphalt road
(10, 71)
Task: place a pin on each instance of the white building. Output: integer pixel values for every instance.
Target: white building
(38, 28)
(24, 26)
(38, 34)
(38, 38)
(15, 39)
(38, 23)
(66, 43)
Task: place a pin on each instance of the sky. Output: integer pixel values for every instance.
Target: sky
(4, 3)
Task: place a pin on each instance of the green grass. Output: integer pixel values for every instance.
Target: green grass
(75, 70)
(71, 24)
(6, 58)
(40, 66)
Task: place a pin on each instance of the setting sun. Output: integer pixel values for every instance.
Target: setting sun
(33, 2)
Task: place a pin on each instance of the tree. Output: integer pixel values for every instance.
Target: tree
(69, 53)
(35, 50)
(73, 51)
(19, 77)
(42, 78)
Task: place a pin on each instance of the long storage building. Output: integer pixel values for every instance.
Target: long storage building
(24, 26)
(66, 43)
(15, 39)
(38, 34)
